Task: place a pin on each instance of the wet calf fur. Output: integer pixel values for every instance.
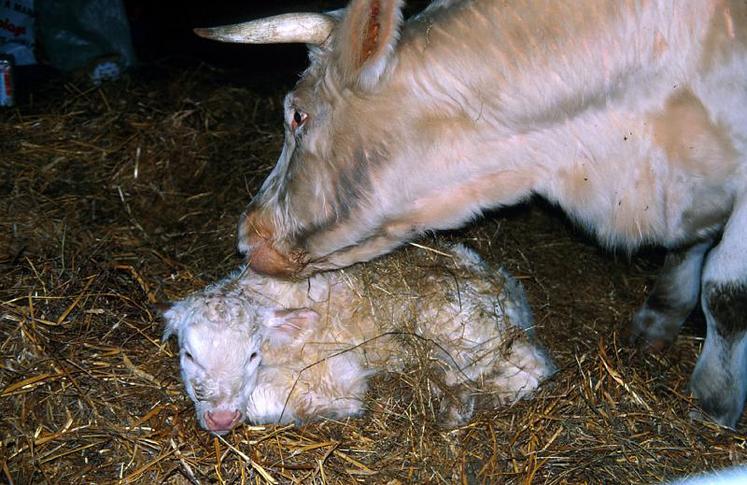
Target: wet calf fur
(270, 351)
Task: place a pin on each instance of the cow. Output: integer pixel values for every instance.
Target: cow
(630, 115)
(264, 350)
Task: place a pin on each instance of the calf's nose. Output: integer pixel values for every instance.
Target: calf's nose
(222, 420)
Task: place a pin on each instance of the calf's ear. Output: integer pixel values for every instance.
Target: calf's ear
(286, 325)
(365, 41)
(173, 315)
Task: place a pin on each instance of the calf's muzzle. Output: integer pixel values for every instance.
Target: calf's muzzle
(222, 421)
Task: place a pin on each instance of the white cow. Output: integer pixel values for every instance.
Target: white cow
(268, 351)
(631, 115)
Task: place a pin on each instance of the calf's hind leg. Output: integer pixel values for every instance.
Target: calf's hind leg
(494, 378)
(719, 380)
(673, 297)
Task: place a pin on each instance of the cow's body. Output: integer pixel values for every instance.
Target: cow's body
(617, 111)
(630, 115)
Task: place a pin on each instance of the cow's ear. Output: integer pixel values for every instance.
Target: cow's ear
(287, 325)
(366, 39)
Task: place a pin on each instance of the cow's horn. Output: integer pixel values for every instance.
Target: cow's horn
(307, 28)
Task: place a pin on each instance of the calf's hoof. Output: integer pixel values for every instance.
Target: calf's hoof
(455, 412)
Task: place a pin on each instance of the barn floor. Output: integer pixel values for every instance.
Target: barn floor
(116, 198)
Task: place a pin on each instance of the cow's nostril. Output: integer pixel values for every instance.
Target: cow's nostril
(267, 260)
(256, 246)
(252, 229)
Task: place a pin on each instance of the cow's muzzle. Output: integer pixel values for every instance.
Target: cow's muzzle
(255, 245)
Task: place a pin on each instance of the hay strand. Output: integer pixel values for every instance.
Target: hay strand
(115, 198)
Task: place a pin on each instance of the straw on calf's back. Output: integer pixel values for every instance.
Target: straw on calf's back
(265, 350)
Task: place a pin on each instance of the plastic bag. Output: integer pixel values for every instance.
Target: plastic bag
(17, 30)
(91, 35)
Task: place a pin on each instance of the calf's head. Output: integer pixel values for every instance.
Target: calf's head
(220, 351)
(317, 210)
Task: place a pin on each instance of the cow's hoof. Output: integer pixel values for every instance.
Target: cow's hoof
(652, 330)
(718, 401)
(701, 417)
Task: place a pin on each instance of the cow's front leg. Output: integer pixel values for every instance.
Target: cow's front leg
(673, 297)
(719, 380)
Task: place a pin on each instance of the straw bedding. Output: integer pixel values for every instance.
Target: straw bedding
(114, 199)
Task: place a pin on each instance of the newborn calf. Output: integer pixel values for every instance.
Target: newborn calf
(271, 351)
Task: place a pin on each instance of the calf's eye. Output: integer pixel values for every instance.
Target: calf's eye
(253, 356)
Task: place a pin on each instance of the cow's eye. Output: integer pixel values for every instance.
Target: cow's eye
(253, 356)
(299, 118)
(189, 357)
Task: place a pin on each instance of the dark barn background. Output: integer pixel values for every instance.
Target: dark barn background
(118, 197)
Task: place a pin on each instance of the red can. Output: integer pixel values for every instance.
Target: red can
(6, 82)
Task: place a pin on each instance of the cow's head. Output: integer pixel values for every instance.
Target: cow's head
(317, 209)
